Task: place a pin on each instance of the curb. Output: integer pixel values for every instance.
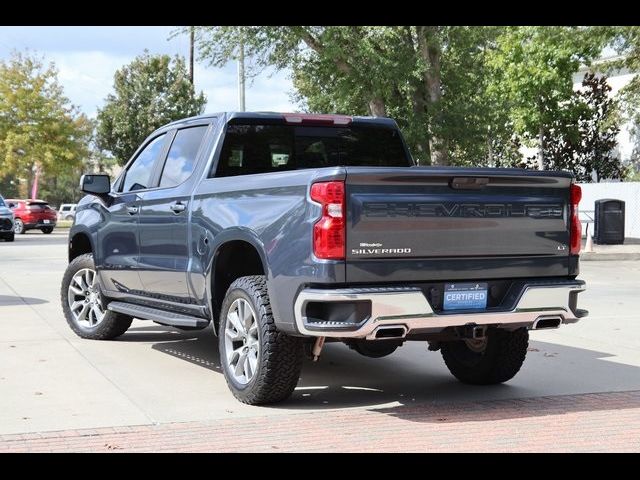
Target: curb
(612, 257)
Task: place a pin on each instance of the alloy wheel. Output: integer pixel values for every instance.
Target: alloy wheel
(18, 226)
(84, 299)
(242, 345)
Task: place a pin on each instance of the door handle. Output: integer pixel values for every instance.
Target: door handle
(178, 207)
(132, 210)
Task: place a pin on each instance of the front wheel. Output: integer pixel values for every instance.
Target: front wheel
(9, 237)
(260, 364)
(494, 359)
(83, 304)
(47, 230)
(18, 226)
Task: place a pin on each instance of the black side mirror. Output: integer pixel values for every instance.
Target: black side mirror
(95, 184)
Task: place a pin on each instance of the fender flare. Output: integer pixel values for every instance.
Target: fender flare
(232, 235)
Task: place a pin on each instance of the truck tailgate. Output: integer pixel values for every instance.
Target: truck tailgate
(423, 223)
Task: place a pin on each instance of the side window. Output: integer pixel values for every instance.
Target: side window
(139, 173)
(252, 149)
(182, 156)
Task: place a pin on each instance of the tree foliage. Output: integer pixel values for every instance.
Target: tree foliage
(586, 146)
(431, 79)
(532, 69)
(461, 95)
(39, 128)
(626, 40)
(149, 92)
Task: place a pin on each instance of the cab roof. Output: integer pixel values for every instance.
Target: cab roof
(289, 118)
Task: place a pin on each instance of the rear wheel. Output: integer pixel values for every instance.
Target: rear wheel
(47, 230)
(18, 226)
(84, 306)
(261, 364)
(494, 359)
(9, 237)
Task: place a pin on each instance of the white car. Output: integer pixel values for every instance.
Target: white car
(67, 211)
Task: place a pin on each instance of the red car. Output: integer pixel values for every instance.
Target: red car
(32, 214)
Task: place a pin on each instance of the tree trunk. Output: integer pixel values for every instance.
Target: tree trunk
(490, 159)
(191, 42)
(377, 107)
(431, 55)
(541, 148)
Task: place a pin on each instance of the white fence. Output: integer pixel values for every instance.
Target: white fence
(629, 192)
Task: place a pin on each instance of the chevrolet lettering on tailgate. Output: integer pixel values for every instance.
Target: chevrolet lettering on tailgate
(477, 210)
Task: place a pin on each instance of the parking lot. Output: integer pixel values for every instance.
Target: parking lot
(580, 385)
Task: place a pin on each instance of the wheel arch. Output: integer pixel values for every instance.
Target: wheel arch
(236, 254)
(79, 243)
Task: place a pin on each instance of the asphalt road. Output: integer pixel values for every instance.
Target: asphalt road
(52, 380)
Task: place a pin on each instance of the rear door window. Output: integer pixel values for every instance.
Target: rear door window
(38, 206)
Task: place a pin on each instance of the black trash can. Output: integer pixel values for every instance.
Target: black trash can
(609, 222)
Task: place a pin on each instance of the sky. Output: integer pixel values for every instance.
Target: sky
(87, 58)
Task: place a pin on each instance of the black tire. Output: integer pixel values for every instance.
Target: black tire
(69, 217)
(113, 324)
(9, 237)
(501, 359)
(374, 348)
(279, 359)
(47, 230)
(18, 226)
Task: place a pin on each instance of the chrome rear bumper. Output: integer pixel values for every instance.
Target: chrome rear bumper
(408, 309)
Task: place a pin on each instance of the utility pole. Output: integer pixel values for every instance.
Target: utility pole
(241, 77)
(191, 38)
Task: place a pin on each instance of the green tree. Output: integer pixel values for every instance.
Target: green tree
(39, 127)
(626, 40)
(407, 72)
(532, 69)
(461, 95)
(149, 92)
(432, 80)
(586, 146)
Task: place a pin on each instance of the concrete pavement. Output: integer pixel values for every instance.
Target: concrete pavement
(51, 380)
(630, 250)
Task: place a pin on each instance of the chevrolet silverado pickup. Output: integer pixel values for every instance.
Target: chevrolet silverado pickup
(285, 231)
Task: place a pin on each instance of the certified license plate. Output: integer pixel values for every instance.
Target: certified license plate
(45, 221)
(465, 296)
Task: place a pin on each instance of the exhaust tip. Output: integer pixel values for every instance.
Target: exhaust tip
(394, 331)
(546, 323)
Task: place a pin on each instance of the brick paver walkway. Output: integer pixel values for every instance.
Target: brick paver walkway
(591, 422)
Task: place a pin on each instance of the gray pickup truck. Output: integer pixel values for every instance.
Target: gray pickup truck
(283, 231)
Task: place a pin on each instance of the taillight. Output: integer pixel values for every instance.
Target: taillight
(575, 229)
(328, 232)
